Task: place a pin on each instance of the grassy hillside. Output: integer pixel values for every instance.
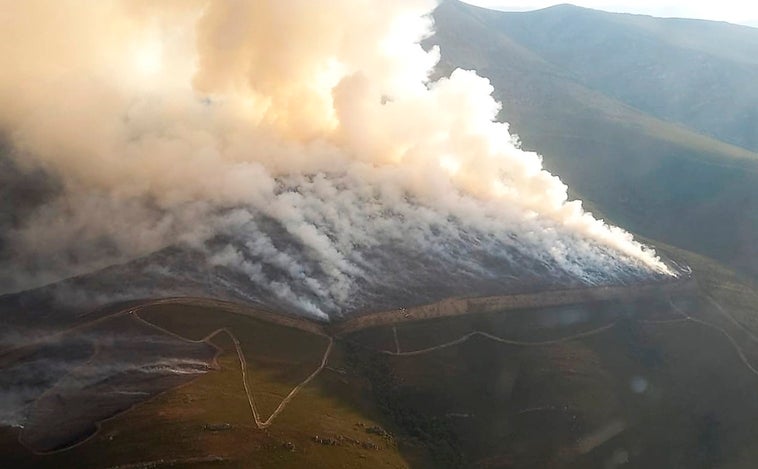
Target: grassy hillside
(664, 381)
(208, 423)
(656, 389)
(698, 73)
(658, 178)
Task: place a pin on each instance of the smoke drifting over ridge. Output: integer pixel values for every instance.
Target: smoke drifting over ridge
(229, 126)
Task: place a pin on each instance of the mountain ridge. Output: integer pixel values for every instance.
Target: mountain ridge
(660, 179)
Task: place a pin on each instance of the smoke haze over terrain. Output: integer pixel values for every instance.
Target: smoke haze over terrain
(194, 122)
(733, 11)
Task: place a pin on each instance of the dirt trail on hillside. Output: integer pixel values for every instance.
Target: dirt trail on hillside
(490, 304)
(259, 422)
(444, 308)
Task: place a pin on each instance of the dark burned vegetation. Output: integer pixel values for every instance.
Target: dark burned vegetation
(405, 408)
(572, 386)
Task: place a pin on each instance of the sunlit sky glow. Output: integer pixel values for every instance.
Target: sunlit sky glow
(733, 11)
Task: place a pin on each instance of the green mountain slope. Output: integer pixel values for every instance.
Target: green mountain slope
(657, 178)
(699, 73)
(621, 383)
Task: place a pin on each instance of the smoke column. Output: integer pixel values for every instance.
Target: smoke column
(186, 122)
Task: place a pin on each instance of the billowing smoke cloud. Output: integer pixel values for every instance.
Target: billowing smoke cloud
(189, 122)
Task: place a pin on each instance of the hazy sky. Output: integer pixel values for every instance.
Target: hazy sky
(734, 11)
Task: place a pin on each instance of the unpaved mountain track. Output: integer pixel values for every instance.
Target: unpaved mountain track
(684, 318)
(475, 305)
(259, 422)
(729, 337)
(444, 308)
(502, 340)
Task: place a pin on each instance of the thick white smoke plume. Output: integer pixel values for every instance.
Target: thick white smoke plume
(184, 121)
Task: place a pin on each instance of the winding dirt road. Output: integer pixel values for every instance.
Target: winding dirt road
(729, 337)
(495, 338)
(444, 308)
(259, 422)
(684, 318)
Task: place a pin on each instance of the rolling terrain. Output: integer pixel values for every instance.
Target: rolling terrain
(576, 87)
(166, 361)
(582, 383)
